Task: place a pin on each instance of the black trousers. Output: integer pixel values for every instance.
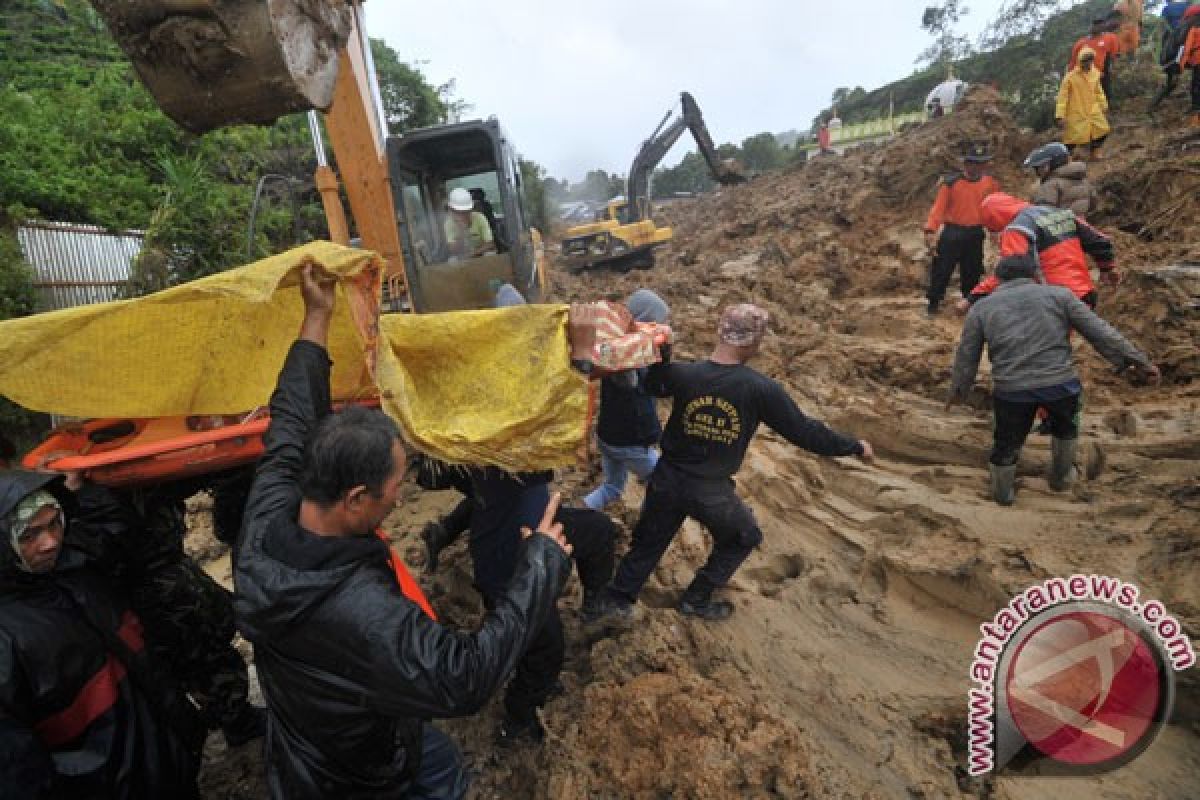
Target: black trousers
(1171, 74)
(957, 247)
(671, 497)
(493, 546)
(1013, 421)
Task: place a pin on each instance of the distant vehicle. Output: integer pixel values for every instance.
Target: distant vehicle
(625, 236)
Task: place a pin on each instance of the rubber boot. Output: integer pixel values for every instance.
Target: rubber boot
(1003, 483)
(1062, 463)
(697, 602)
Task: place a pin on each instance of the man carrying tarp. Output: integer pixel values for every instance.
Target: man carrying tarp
(1026, 327)
(351, 668)
(717, 407)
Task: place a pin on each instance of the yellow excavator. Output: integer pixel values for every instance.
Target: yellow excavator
(625, 236)
(212, 63)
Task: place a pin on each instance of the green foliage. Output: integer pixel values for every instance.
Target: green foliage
(81, 140)
(1027, 52)
(690, 176)
(409, 101)
(17, 298)
(762, 152)
(533, 193)
(17, 295)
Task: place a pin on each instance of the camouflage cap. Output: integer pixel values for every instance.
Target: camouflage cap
(18, 519)
(742, 325)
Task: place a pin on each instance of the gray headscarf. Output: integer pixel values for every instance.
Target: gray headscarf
(507, 295)
(646, 306)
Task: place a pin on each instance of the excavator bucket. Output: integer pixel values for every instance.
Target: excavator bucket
(211, 63)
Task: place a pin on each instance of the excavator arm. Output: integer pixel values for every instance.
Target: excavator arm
(655, 148)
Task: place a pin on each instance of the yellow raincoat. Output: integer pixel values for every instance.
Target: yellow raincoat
(1082, 105)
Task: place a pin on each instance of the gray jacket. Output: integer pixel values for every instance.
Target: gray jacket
(1026, 326)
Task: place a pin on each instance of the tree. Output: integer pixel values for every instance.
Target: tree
(689, 176)
(762, 152)
(409, 101)
(940, 22)
(534, 193)
(1016, 18)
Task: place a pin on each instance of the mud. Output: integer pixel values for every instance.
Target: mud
(844, 671)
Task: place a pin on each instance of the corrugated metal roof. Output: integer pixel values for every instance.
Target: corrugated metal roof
(77, 264)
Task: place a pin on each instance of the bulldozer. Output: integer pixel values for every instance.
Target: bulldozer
(625, 235)
(213, 63)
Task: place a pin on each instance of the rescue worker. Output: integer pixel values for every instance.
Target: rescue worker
(1189, 58)
(1174, 36)
(1064, 183)
(352, 668)
(955, 213)
(1056, 238)
(468, 234)
(85, 712)
(824, 138)
(717, 406)
(627, 426)
(1129, 25)
(1082, 106)
(136, 540)
(1026, 327)
(1105, 45)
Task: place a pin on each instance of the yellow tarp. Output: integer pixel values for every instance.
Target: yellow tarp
(492, 387)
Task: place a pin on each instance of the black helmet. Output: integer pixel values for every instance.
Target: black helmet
(976, 153)
(1051, 155)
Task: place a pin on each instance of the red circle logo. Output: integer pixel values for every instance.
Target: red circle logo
(1084, 688)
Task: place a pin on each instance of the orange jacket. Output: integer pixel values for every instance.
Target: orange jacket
(958, 201)
(1056, 237)
(1106, 46)
(1191, 47)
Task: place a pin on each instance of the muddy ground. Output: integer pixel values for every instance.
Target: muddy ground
(844, 671)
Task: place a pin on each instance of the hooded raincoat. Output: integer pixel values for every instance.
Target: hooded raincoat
(84, 712)
(1082, 105)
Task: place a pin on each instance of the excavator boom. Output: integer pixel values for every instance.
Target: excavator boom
(655, 148)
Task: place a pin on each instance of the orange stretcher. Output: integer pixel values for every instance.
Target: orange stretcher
(140, 452)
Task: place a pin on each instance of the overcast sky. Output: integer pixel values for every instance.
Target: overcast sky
(579, 85)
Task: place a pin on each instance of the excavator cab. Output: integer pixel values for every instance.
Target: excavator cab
(425, 166)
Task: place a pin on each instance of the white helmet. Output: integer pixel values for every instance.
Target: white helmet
(460, 200)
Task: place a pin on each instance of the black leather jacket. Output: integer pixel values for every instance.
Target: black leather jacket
(350, 667)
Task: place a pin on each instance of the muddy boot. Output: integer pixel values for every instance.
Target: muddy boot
(1003, 483)
(697, 601)
(608, 610)
(1062, 463)
(515, 732)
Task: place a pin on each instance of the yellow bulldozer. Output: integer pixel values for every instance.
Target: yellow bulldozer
(212, 63)
(625, 235)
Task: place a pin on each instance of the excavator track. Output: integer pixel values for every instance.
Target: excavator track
(211, 63)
